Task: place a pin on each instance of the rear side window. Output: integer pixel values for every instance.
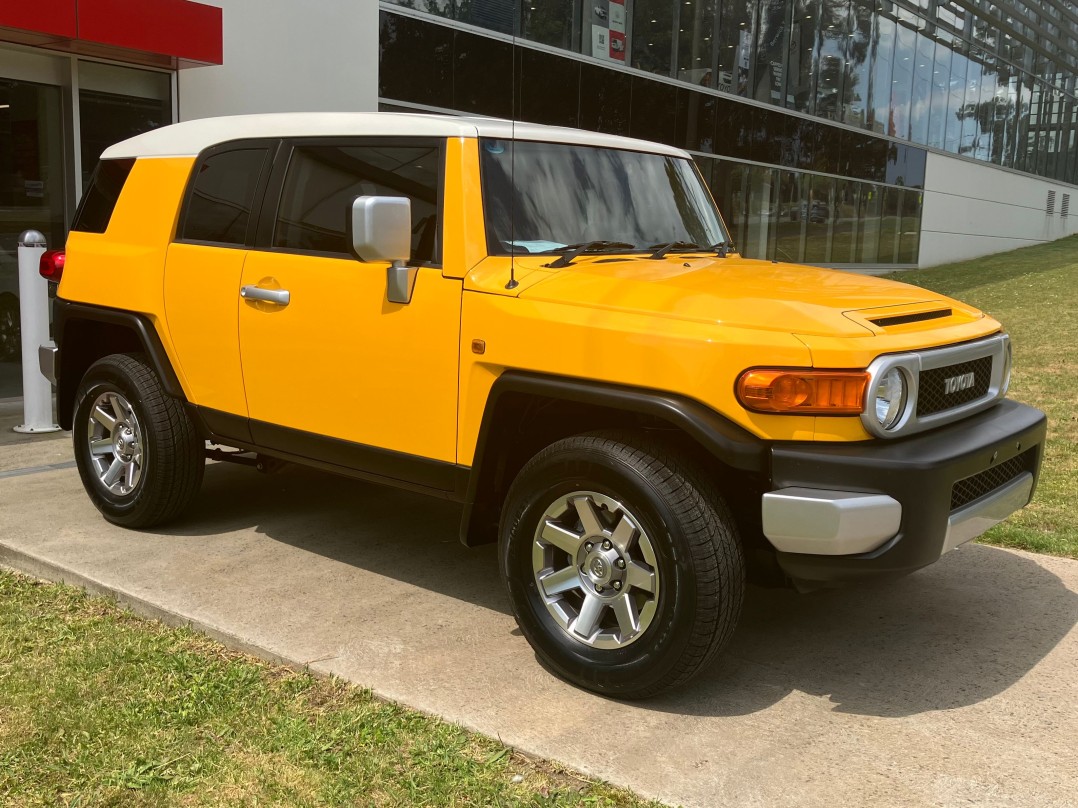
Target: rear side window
(222, 196)
(322, 181)
(99, 201)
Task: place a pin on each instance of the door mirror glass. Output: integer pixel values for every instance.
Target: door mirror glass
(380, 228)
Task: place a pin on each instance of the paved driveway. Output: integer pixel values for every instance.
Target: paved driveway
(955, 686)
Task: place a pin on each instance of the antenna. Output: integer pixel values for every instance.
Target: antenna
(513, 282)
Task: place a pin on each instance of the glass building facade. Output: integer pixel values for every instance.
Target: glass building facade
(810, 118)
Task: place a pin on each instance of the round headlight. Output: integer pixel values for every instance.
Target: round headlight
(890, 396)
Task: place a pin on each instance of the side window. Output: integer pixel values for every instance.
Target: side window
(322, 181)
(99, 201)
(223, 193)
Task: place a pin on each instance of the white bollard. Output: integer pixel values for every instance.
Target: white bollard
(34, 317)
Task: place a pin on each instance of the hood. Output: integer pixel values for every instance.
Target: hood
(745, 293)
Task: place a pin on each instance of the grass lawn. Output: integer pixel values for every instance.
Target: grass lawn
(1034, 293)
(99, 707)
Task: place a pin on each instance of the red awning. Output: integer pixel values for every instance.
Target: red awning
(159, 33)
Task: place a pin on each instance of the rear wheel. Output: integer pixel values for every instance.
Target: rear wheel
(138, 452)
(623, 565)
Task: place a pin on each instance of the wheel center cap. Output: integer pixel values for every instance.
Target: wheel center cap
(599, 568)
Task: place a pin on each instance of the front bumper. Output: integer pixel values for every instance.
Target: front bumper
(909, 500)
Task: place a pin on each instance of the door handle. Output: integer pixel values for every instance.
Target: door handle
(277, 296)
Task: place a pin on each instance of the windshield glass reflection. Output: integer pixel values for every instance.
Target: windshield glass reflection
(558, 196)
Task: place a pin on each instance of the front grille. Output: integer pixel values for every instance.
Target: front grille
(966, 491)
(932, 395)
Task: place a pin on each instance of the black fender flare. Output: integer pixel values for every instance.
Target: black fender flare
(67, 314)
(729, 443)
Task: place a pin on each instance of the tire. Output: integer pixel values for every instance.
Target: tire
(680, 540)
(146, 467)
(10, 329)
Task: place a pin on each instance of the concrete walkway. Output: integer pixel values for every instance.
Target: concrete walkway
(956, 686)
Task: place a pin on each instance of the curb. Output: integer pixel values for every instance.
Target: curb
(42, 569)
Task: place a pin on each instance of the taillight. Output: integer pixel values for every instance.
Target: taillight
(52, 265)
(808, 392)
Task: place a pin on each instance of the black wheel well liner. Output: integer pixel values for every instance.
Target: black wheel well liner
(86, 333)
(528, 411)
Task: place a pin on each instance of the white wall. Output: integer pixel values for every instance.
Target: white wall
(288, 56)
(974, 209)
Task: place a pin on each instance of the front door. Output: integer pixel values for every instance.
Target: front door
(333, 370)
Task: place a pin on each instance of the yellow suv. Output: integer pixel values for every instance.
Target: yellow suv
(549, 327)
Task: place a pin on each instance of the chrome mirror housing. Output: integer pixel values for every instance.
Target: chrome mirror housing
(380, 229)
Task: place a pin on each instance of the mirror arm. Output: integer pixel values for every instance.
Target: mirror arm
(400, 282)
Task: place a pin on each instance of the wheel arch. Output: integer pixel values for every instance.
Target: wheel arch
(528, 411)
(86, 333)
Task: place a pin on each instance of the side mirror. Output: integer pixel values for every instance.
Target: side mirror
(380, 229)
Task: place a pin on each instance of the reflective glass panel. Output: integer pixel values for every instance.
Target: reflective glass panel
(924, 55)
(800, 94)
(736, 38)
(881, 92)
(831, 84)
(856, 109)
(817, 211)
(789, 227)
(653, 29)
(696, 43)
(902, 81)
(550, 22)
(770, 69)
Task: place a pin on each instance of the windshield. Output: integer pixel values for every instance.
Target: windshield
(557, 196)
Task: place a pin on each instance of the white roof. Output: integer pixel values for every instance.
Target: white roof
(191, 137)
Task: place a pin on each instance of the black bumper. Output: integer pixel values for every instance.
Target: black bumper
(920, 472)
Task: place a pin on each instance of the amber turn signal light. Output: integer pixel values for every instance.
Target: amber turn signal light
(803, 392)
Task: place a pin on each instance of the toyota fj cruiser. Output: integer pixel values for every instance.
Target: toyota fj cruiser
(550, 327)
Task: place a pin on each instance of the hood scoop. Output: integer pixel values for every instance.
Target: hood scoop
(914, 316)
(903, 319)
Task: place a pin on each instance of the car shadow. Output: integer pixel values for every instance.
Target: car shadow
(952, 635)
(398, 534)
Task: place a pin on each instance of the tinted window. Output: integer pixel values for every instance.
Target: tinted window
(101, 197)
(219, 208)
(542, 197)
(322, 181)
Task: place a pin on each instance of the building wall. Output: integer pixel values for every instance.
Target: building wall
(972, 209)
(288, 55)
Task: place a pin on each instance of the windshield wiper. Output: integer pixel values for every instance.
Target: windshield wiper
(722, 249)
(574, 251)
(674, 246)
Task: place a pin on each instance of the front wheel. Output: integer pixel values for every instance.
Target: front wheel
(622, 563)
(138, 452)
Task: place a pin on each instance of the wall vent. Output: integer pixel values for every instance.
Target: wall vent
(1065, 207)
(1051, 202)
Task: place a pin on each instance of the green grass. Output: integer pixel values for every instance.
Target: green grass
(1034, 293)
(100, 707)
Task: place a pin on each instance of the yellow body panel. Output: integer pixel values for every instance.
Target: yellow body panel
(340, 360)
(123, 267)
(202, 305)
(462, 222)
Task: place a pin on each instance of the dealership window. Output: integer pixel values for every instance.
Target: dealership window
(39, 188)
(116, 103)
(323, 180)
